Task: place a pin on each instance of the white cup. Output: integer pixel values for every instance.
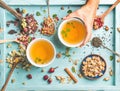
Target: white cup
(60, 35)
(30, 59)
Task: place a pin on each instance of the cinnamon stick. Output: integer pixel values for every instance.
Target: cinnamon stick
(71, 75)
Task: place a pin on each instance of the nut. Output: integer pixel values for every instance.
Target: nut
(93, 67)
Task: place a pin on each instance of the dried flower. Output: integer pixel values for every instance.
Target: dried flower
(106, 79)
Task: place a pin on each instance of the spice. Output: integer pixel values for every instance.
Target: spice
(71, 75)
(96, 42)
(98, 23)
(12, 32)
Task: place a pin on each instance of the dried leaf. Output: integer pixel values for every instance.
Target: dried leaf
(73, 69)
(12, 32)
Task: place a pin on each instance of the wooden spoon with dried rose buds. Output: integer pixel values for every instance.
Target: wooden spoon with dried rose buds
(28, 23)
(99, 20)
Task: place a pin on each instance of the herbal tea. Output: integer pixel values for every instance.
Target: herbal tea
(41, 52)
(73, 32)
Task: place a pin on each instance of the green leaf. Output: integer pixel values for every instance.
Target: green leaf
(68, 30)
(54, 15)
(63, 32)
(111, 58)
(69, 11)
(73, 69)
(29, 39)
(38, 13)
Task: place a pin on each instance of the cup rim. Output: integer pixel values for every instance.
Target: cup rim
(28, 53)
(59, 31)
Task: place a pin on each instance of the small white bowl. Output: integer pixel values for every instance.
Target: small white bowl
(28, 53)
(60, 29)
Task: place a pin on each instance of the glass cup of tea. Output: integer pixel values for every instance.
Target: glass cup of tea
(72, 32)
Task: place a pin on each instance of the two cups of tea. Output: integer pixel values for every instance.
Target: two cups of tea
(41, 52)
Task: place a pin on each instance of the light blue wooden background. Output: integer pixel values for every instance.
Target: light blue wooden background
(37, 83)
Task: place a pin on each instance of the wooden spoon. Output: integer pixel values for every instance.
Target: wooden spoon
(17, 61)
(12, 11)
(109, 10)
(99, 20)
(4, 41)
(26, 27)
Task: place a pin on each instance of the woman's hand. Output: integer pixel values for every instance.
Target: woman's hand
(87, 14)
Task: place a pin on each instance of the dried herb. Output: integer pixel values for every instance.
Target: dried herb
(69, 11)
(64, 33)
(12, 32)
(54, 15)
(73, 69)
(111, 58)
(38, 13)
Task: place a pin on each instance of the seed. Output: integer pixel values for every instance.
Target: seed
(45, 77)
(24, 83)
(13, 80)
(29, 76)
(42, 70)
(49, 80)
